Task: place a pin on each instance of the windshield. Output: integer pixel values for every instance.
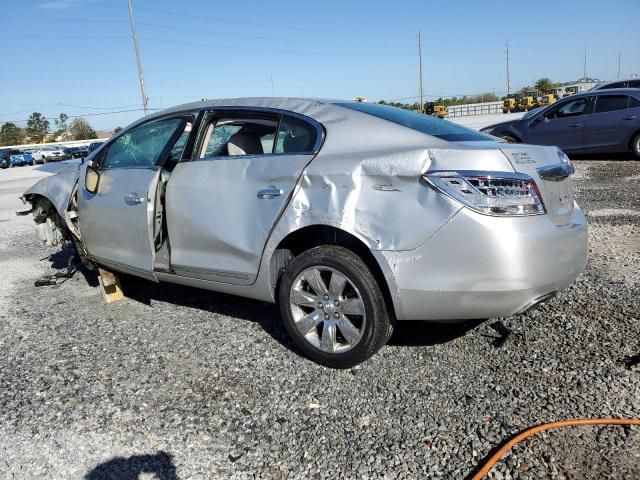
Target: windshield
(433, 126)
(532, 112)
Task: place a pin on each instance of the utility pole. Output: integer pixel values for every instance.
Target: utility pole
(273, 88)
(584, 74)
(145, 100)
(508, 77)
(619, 62)
(420, 57)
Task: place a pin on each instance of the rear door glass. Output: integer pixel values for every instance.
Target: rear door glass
(238, 136)
(611, 103)
(295, 136)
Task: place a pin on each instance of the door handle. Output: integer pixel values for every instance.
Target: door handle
(630, 117)
(133, 199)
(573, 125)
(269, 193)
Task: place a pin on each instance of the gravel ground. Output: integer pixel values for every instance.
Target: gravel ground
(175, 382)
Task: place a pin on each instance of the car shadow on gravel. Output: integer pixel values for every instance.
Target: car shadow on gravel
(264, 314)
(160, 466)
(414, 333)
(60, 261)
(267, 315)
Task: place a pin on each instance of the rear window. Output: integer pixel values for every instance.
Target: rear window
(433, 126)
(613, 85)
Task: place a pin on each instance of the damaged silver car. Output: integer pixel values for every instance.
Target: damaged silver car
(351, 216)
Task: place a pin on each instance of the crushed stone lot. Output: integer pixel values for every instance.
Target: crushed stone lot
(174, 382)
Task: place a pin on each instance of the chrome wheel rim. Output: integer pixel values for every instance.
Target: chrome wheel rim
(327, 309)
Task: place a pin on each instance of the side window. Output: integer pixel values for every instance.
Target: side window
(611, 103)
(634, 102)
(176, 151)
(573, 108)
(234, 136)
(142, 146)
(295, 136)
(634, 83)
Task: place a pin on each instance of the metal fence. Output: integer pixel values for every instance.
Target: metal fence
(475, 109)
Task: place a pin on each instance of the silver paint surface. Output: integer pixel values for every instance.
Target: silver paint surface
(441, 260)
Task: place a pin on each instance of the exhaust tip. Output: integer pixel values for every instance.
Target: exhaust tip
(536, 302)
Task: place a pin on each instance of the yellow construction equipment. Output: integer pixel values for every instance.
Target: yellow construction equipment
(547, 99)
(527, 103)
(439, 111)
(509, 105)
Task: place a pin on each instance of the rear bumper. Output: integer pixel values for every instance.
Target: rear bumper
(478, 266)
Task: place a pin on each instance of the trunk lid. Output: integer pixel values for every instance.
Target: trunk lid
(538, 162)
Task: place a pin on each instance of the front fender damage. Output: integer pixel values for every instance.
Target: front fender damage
(53, 203)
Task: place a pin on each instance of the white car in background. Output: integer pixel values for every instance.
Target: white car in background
(49, 154)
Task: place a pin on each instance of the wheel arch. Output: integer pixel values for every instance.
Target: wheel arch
(310, 236)
(631, 138)
(510, 133)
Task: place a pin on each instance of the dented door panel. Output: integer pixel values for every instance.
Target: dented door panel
(220, 212)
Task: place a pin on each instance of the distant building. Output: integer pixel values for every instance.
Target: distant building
(567, 88)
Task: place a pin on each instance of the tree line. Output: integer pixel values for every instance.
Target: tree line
(37, 130)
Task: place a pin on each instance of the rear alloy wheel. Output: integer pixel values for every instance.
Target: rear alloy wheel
(332, 307)
(635, 145)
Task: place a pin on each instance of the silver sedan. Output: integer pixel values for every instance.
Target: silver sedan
(351, 216)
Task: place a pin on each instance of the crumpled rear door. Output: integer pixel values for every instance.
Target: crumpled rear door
(221, 210)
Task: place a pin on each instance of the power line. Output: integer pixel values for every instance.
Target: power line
(85, 115)
(268, 25)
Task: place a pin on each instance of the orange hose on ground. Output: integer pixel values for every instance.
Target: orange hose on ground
(541, 428)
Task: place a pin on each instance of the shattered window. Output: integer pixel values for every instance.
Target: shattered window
(141, 146)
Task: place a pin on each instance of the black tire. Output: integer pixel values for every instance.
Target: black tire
(375, 327)
(635, 145)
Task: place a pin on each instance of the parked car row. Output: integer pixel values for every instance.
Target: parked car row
(14, 158)
(48, 153)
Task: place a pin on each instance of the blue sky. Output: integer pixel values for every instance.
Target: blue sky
(77, 57)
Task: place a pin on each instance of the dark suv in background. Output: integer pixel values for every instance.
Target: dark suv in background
(596, 121)
(628, 83)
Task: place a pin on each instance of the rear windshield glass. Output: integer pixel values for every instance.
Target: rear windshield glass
(423, 123)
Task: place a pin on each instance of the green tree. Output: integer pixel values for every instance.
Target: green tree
(545, 85)
(119, 129)
(61, 126)
(37, 127)
(11, 134)
(81, 130)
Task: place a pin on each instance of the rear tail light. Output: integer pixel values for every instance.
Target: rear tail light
(490, 193)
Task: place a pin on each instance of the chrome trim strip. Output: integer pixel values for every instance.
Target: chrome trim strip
(480, 173)
(320, 132)
(556, 172)
(211, 272)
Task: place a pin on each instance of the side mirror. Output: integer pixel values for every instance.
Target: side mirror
(91, 180)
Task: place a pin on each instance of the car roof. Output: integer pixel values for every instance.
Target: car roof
(608, 91)
(292, 104)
